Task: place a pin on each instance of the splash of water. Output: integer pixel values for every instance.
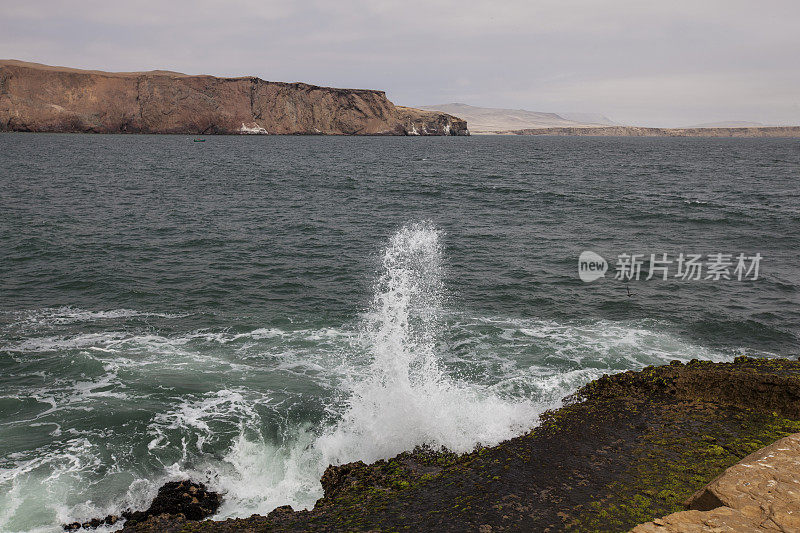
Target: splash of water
(402, 399)
(405, 399)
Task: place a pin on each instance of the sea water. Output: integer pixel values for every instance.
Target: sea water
(249, 310)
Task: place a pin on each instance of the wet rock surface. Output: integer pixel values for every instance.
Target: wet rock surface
(181, 500)
(192, 500)
(624, 450)
(94, 523)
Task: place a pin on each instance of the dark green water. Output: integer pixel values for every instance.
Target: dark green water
(249, 309)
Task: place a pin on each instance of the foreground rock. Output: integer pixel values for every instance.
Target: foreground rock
(40, 98)
(625, 450)
(760, 493)
(181, 500)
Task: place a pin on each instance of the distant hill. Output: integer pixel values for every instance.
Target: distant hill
(490, 119)
(589, 118)
(729, 124)
(637, 131)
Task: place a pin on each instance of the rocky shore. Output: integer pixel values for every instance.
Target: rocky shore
(41, 98)
(624, 450)
(636, 131)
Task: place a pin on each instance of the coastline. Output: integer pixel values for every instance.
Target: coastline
(636, 131)
(623, 450)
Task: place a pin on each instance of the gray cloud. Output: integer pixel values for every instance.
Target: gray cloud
(667, 63)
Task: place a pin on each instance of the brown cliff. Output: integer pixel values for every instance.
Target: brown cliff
(41, 98)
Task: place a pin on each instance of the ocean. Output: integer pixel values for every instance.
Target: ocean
(248, 310)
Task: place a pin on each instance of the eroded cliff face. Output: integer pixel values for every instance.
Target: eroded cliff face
(54, 99)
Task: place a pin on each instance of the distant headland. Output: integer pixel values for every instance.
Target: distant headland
(498, 121)
(637, 131)
(41, 98)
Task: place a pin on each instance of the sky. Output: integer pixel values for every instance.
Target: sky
(667, 63)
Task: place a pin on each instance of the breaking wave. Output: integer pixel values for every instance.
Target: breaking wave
(405, 399)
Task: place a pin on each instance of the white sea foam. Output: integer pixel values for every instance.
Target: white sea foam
(46, 344)
(68, 315)
(41, 480)
(114, 341)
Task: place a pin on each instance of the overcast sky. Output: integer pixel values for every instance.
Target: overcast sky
(665, 63)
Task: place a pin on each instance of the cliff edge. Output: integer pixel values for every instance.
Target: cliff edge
(41, 98)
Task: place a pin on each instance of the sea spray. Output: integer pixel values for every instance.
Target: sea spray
(401, 398)
(405, 399)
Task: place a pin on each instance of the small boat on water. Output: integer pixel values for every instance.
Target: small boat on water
(199, 140)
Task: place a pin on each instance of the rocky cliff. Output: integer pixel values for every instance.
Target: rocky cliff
(40, 98)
